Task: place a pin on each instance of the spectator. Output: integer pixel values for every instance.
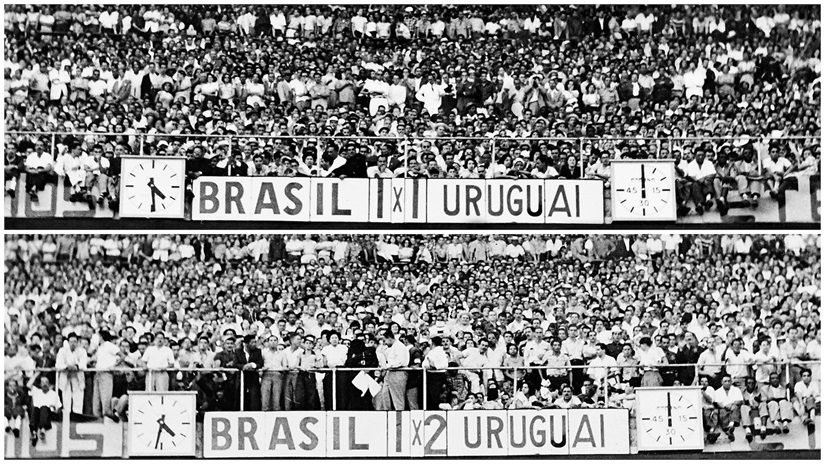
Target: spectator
(71, 360)
(250, 359)
(45, 405)
(806, 397)
(775, 405)
(727, 400)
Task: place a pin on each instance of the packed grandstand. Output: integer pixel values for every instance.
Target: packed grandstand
(442, 322)
(731, 93)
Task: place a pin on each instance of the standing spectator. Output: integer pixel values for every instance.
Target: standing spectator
(395, 381)
(71, 361)
(250, 359)
(105, 358)
(158, 358)
(272, 382)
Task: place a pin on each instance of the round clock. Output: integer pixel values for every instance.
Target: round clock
(643, 190)
(152, 187)
(669, 418)
(162, 423)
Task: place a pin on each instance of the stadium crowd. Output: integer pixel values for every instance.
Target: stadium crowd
(433, 85)
(434, 321)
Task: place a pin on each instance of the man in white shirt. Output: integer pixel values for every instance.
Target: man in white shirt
(106, 357)
(806, 396)
(45, 403)
(380, 169)
(39, 166)
(602, 367)
(292, 361)
(158, 358)
(395, 381)
(737, 363)
(700, 174)
(436, 360)
(272, 381)
(334, 355)
(567, 400)
(727, 401)
(70, 361)
(775, 405)
(430, 94)
(775, 168)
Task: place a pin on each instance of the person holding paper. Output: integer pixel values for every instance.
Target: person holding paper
(362, 357)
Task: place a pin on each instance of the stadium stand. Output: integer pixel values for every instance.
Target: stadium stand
(731, 93)
(440, 321)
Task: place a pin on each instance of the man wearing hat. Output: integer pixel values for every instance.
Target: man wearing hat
(249, 359)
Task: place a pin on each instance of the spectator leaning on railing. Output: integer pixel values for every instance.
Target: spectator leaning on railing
(511, 321)
(420, 78)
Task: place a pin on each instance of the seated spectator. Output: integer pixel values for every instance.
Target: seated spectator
(806, 398)
(775, 405)
(45, 405)
(727, 401)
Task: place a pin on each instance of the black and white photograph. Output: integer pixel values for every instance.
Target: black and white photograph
(412, 231)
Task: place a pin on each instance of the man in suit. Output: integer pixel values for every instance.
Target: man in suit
(622, 248)
(249, 358)
(598, 25)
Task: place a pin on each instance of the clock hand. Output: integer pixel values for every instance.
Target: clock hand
(644, 190)
(167, 429)
(669, 412)
(160, 430)
(156, 191)
(152, 189)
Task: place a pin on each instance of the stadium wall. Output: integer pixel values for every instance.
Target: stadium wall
(405, 434)
(408, 201)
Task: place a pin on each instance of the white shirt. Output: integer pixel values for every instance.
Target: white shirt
(726, 398)
(734, 363)
(292, 359)
(336, 356)
(398, 355)
(598, 368)
(48, 399)
(273, 359)
(107, 355)
(776, 167)
(41, 160)
(800, 390)
(698, 172)
(436, 358)
(158, 358)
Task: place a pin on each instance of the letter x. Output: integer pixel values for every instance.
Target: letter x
(417, 431)
(397, 193)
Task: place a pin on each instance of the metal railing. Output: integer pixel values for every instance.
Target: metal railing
(610, 371)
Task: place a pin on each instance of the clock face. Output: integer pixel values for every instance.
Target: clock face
(152, 187)
(669, 419)
(643, 190)
(161, 424)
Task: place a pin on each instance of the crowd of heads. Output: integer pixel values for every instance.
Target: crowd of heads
(499, 301)
(282, 78)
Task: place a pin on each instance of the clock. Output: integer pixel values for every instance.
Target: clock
(669, 418)
(162, 423)
(643, 190)
(152, 187)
